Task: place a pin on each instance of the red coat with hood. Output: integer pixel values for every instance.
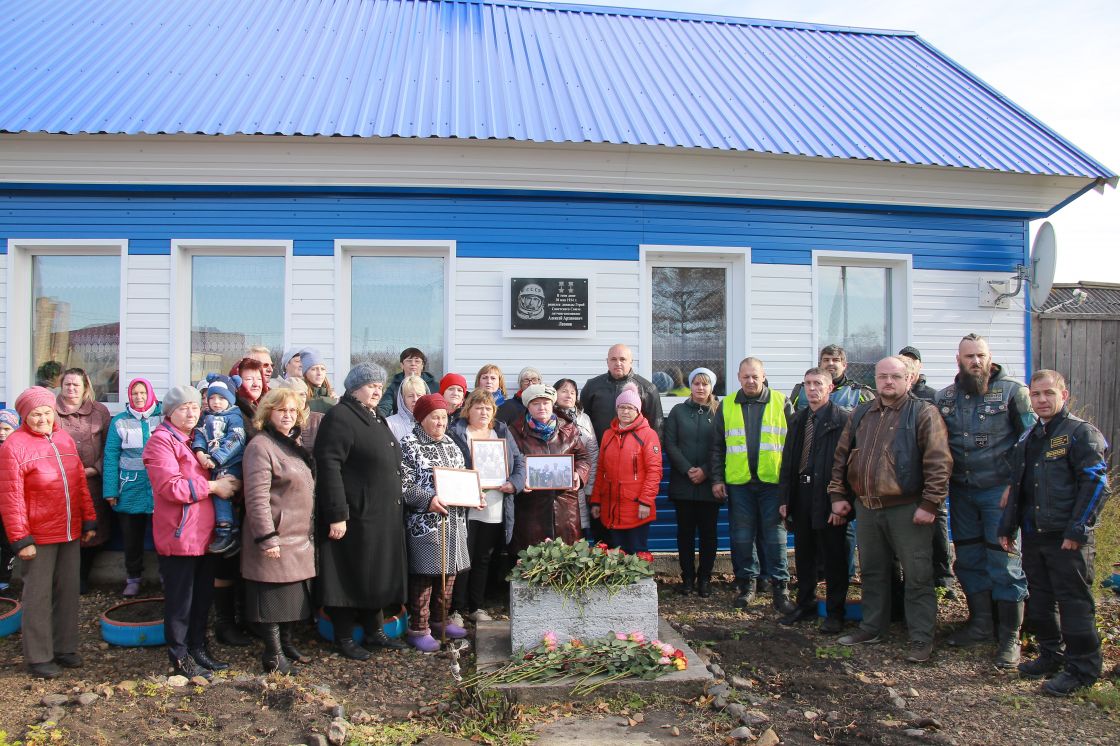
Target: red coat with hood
(629, 474)
(44, 498)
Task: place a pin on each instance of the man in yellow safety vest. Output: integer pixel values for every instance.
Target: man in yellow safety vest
(745, 465)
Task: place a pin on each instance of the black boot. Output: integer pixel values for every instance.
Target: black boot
(704, 588)
(187, 666)
(746, 594)
(204, 658)
(350, 649)
(1010, 621)
(291, 652)
(979, 627)
(782, 604)
(374, 626)
(273, 658)
(225, 618)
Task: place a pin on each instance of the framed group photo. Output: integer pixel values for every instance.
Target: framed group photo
(550, 472)
(457, 487)
(489, 459)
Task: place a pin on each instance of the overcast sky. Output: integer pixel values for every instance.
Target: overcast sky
(1055, 58)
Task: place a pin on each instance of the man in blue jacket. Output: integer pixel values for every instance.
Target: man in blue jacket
(1059, 485)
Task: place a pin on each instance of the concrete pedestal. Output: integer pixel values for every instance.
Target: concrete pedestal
(534, 610)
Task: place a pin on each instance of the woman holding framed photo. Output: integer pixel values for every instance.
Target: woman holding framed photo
(548, 513)
(489, 447)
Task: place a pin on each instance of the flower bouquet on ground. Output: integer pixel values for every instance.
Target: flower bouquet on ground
(590, 664)
(571, 569)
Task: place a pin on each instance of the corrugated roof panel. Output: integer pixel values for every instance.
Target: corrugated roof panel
(526, 71)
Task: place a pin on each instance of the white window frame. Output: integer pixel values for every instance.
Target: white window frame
(901, 291)
(20, 253)
(736, 260)
(346, 249)
(182, 251)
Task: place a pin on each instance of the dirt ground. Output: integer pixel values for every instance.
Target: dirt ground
(791, 680)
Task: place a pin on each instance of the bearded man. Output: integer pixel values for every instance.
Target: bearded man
(985, 413)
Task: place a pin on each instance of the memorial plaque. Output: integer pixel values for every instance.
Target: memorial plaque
(550, 304)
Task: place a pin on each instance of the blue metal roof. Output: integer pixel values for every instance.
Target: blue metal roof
(524, 71)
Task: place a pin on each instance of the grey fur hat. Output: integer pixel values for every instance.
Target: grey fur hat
(180, 395)
(364, 373)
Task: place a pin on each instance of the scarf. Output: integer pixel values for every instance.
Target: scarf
(149, 404)
(570, 413)
(543, 431)
(499, 398)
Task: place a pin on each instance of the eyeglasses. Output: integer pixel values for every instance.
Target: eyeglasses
(530, 381)
(287, 411)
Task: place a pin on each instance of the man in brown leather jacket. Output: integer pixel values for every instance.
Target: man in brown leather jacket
(893, 463)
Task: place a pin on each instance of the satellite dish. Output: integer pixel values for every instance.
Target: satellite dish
(1044, 261)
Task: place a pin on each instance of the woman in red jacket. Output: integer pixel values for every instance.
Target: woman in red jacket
(628, 476)
(47, 509)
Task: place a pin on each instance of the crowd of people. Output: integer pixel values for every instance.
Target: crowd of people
(269, 497)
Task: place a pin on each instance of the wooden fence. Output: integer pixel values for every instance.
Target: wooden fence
(1086, 350)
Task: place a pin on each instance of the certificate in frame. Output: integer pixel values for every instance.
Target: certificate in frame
(457, 487)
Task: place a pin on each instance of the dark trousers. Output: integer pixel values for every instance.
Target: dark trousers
(828, 546)
(1061, 610)
(470, 585)
(7, 556)
(188, 588)
(942, 558)
(696, 516)
(345, 619)
(50, 602)
(629, 540)
(134, 528)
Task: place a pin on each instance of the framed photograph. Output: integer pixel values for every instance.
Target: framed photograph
(550, 472)
(457, 487)
(489, 459)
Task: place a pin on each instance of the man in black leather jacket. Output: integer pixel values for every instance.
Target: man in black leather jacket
(1059, 484)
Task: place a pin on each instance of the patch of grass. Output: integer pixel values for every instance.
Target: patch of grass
(1107, 537)
(833, 652)
(1016, 701)
(1105, 695)
(390, 734)
(40, 735)
(486, 717)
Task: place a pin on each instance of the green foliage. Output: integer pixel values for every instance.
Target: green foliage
(390, 734)
(486, 717)
(1105, 695)
(572, 569)
(1107, 537)
(833, 652)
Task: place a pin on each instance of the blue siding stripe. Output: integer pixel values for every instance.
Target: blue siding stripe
(512, 227)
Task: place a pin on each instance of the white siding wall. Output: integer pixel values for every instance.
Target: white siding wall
(310, 310)
(147, 346)
(478, 336)
(4, 326)
(781, 333)
(945, 309)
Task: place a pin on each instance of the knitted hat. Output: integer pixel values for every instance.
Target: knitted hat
(629, 396)
(287, 358)
(223, 386)
(909, 351)
(10, 418)
(33, 398)
(702, 371)
(202, 385)
(452, 379)
(427, 404)
(309, 357)
(662, 381)
(180, 395)
(361, 374)
(528, 371)
(538, 391)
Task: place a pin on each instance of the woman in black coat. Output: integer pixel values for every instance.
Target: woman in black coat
(362, 557)
(688, 438)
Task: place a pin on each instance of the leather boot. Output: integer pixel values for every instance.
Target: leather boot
(978, 629)
(273, 658)
(1010, 620)
(225, 618)
(373, 625)
(204, 658)
(782, 604)
(291, 652)
(746, 594)
(704, 588)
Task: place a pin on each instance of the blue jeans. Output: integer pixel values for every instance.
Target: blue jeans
(752, 511)
(224, 514)
(982, 566)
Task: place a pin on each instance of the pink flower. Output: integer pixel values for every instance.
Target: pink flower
(666, 648)
(664, 660)
(637, 637)
(619, 636)
(550, 640)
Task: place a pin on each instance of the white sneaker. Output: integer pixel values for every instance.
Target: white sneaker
(480, 616)
(455, 618)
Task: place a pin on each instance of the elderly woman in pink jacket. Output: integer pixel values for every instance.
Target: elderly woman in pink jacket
(182, 522)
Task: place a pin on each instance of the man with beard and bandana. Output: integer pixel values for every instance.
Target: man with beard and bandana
(985, 412)
(846, 393)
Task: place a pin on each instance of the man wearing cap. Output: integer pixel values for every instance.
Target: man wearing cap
(918, 387)
(893, 464)
(413, 362)
(845, 392)
(746, 461)
(985, 412)
(600, 393)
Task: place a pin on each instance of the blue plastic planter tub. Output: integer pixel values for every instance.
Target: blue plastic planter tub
(133, 634)
(394, 626)
(853, 612)
(11, 616)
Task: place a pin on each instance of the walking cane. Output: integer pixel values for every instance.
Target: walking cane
(443, 577)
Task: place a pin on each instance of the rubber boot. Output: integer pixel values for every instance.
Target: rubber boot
(782, 604)
(225, 618)
(978, 629)
(273, 658)
(291, 652)
(1010, 621)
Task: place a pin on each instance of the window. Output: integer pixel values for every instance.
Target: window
(397, 302)
(861, 306)
(72, 325)
(689, 326)
(237, 302)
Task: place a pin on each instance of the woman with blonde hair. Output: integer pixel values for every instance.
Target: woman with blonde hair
(310, 429)
(409, 392)
(278, 560)
(320, 393)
